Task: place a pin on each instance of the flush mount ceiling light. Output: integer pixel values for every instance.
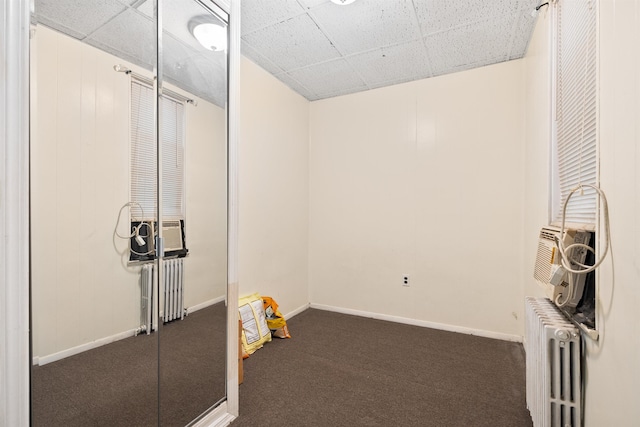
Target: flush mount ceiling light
(343, 2)
(210, 36)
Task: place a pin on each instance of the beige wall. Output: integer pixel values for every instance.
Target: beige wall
(536, 162)
(613, 364)
(83, 289)
(422, 179)
(612, 368)
(273, 189)
(206, 207)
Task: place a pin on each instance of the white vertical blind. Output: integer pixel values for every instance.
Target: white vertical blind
(143, 154)
(576, 109)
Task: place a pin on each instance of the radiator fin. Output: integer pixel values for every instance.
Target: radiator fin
(553, 358)
(171, 297)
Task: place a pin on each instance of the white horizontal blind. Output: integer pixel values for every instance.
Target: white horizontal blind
(143, 154)
(172, 132)
(576, 109)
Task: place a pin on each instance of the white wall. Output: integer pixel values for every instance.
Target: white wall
(206, 203)
(536, 162)
(612, 368)
(273, 189)
(423, 179)
(83, 289)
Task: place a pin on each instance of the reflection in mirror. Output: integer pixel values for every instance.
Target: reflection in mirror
(97, 313)
(193, 350)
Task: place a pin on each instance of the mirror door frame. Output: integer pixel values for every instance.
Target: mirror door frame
(14, 213)
(14, 217)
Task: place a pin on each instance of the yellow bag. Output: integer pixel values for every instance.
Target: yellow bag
(255, 331)
(275, 319)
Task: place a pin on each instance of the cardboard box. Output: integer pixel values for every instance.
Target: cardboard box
(240, 372)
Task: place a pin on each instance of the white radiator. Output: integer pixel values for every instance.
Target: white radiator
(147, 282)
(173, 298)
(552, 345)
(172, 294)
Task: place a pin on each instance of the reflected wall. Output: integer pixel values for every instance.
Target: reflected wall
(93, 361)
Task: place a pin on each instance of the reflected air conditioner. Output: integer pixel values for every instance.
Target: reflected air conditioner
(172, 236)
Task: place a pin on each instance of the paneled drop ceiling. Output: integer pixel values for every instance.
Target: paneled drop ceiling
(318, 48)
(125, 28)
(321, 49)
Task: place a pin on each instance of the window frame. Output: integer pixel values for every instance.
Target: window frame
(137, 213)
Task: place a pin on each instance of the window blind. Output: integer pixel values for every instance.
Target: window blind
(576, 110)
(144, 150)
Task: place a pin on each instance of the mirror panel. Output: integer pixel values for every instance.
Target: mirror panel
(99, 337)
(89, 367)
(193, 349)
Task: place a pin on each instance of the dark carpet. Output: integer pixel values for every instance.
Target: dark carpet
(341, 370)
(117, 384)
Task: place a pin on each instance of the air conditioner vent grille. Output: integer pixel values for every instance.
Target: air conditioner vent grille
(543, 266)
(548, 234)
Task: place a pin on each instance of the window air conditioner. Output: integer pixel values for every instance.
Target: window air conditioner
(172, 236)
(548, 268)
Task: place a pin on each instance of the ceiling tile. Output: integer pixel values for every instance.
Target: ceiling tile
(270, 13)
(312, 3)
(366, 25)
(82, 18)
(182, 14)
(402, 62)
(129, 36)
(204, 75)
(473, 44)
(175, 58)
(438, 15)
(523, 33)
(329, 78)
(257, 58)
(294, 43)
(295, 85)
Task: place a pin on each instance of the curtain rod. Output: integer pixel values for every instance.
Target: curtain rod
(146, 80)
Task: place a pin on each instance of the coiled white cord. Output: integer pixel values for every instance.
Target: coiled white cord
(135, 231)
(566, 251)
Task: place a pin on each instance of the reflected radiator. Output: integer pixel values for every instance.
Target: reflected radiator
(554, 394)
(171, 296)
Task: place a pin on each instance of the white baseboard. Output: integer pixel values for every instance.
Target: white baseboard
(205, 304)
(296, 311)
(219, 417)
(423, 323)
(43, 360)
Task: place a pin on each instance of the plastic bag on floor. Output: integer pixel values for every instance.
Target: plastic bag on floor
(255, 331)
(275, 320)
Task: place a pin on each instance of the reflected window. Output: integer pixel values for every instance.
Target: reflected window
(144, 173)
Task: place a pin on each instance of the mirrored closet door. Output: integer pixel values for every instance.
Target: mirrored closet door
(128, 211)
(193, 69)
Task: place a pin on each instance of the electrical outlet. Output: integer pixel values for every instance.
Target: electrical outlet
(405, 280)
